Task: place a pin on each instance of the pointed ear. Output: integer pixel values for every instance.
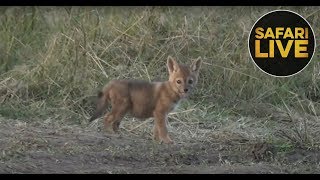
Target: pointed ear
(196, 65)
(172, 64)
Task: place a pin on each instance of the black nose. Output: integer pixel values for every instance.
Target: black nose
(185, 90)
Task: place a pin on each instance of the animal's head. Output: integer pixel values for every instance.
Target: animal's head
(183, 78)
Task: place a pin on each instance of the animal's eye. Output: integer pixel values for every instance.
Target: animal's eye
(179, 82)
(190, 81)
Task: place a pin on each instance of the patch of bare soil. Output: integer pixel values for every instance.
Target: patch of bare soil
(49, 147)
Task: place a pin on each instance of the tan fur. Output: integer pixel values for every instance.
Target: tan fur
(144, 99)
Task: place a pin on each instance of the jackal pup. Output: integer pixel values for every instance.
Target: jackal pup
(144, 99)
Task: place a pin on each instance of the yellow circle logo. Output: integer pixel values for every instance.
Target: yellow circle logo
(281, 43)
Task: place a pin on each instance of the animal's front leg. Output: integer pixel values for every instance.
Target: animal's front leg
(160, 129)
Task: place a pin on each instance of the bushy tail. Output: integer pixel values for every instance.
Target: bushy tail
(102, 103)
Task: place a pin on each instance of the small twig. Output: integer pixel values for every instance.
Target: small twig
(180, 121)
(174, 113)
(145, 122)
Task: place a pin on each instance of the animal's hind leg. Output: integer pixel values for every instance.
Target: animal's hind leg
(108, 119)
(113, 119)
(118, 117)
(156, 133)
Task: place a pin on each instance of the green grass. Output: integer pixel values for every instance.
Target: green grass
(54, 60)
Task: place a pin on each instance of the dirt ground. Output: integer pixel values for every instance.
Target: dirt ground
(49, 147)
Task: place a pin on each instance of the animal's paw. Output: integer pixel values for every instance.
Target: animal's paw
(167, 140)
(109, 130)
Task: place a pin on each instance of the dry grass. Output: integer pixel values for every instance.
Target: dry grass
(56, 58)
